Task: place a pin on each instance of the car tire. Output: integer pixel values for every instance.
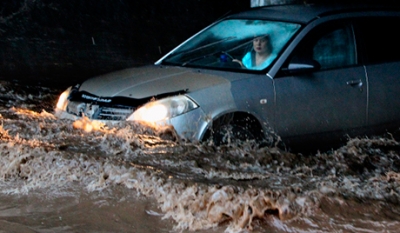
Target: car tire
(232, 134)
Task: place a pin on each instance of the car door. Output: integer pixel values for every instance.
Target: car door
(332, 98)
(381, 47)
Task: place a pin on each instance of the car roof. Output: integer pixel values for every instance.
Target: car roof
(304, 13)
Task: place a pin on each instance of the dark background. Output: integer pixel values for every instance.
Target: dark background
(59, 42)
(52, 42)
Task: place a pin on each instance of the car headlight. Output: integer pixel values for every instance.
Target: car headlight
(63, 100)
(163, 109)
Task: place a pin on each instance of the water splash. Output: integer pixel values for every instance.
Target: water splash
(238, 188)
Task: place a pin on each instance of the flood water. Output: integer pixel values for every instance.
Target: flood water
(55, 176)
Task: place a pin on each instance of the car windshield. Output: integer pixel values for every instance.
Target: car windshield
(234, 43)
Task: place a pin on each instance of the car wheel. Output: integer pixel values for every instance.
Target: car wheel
(232, 134)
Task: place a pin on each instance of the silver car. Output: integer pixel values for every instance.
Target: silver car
(301, 72)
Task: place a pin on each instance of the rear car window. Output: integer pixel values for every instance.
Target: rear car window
(381, 39)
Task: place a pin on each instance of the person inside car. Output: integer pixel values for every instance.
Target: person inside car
(260, 55)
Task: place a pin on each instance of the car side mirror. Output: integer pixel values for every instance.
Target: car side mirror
(303, 66)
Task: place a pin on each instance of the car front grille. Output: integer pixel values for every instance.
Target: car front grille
(114, 114)
(98, 112)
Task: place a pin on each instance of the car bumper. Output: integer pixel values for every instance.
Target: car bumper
(190, 126)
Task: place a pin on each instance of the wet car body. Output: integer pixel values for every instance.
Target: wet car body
(334, 73)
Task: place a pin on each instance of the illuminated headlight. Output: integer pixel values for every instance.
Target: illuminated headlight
(63, 100)
(163, 109)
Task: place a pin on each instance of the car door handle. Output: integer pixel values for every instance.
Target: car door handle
(355, 83)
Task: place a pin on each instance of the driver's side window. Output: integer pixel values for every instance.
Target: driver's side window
(331, 47)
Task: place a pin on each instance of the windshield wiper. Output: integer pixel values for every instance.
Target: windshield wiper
(203, 46)
(226, 52)
(200, 57)
(240, 45)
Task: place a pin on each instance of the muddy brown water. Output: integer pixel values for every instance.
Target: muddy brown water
(57, 177)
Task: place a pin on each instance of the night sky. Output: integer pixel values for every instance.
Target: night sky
(58, 41)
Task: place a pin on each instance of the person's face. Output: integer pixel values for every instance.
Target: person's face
(260, 44)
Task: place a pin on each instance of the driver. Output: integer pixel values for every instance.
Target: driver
(260, 55)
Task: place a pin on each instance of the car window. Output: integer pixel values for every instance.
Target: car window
(381, 39)
(335, 49)
(332, 46)
(230, 44)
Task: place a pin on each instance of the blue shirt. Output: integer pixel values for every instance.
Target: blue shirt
(247, 61)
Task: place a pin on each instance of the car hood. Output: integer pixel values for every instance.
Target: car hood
(150, 81)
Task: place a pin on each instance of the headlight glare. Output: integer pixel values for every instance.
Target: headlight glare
(151, 113)
(63, 100)
(163, 109)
